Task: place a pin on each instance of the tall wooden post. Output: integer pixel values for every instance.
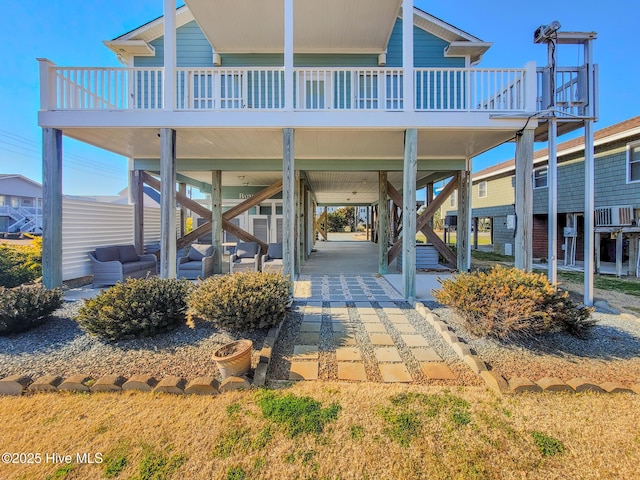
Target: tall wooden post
(428, 199)
(368, 222)
(182, 189)
(463, 228)
(524, 201)
(168, 203)
(51, 207)
(383, 224)
(297, 193)
(325, 225)
(137, 196)
(288, 204)
(476, 223)
(409, 213)
(216, 218)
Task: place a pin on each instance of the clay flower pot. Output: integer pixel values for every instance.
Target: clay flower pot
(234, 359)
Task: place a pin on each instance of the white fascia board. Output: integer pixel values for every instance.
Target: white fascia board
(126, 49)
(566, 151)
(144, 32)
(473, 50)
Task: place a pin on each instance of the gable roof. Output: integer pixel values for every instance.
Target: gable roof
(136, 41)
(606, 135)
(7, 176)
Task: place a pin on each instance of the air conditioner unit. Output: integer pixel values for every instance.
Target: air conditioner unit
(616, 216)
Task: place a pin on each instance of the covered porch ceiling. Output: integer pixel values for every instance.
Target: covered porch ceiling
(341, 166)
(327, 26)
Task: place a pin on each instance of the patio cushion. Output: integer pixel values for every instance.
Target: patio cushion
(197, 252)
(127, 253)
(247, 249)
(131, 267)
(275, 250)
(193, 265)
(107, 254)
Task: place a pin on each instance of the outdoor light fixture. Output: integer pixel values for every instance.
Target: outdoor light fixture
(544, 33)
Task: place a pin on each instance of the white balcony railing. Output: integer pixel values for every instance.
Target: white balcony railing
(314, 89)
(570, 90)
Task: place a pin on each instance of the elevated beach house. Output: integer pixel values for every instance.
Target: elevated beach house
(287, 105)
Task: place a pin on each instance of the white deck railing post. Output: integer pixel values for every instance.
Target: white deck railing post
(47, 84)
(169, 76)
(530, 87)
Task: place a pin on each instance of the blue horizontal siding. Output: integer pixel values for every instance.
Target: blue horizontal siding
(192, 49)
(428, 50)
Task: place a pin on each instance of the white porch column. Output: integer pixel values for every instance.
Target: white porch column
(589, 175)
(288, 55)
(168, 203)
(51, 207)
(216, 218)
(524, 201)
(383, 224)
(407, 54)
(463, 228)
(409, 213)
(288, 204)
(169, 78)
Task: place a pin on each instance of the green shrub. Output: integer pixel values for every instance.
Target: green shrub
(20, 264)
(242, 301)
(506, 303)
(26, 306)
(137, 307)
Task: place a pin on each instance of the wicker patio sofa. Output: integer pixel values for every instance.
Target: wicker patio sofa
(115, 263)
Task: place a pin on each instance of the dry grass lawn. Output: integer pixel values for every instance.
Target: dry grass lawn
(434, 433)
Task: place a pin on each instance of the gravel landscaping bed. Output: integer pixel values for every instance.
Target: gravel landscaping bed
(60, 347)
(328, 365)
(610, 352)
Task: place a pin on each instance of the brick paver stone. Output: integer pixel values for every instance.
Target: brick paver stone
(305, 352)
(415, 340)
(367, 311)
(343, 327)
(552, 384)
(394, 373)
(14, 384)
(308, 338)
(303, 371)
(404, 327)
(171, 384)
(203, 386)
(583, 385)
(234, 383)
(372, 318)
(109, 383)
(437, 371)
(426, 355)
(348, 354)
(46, 383)
(398, 319)
(312, 318)
(375, 327)
(518, 385)
(387, 354)
(381, 339)
(144, 383)
(352, 371)
(344, 339)
(75, 383)
(310, 326)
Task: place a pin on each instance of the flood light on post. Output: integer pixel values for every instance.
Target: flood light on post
(545, 33)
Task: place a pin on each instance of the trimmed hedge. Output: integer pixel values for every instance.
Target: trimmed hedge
(137, 307)
(26, 306)
(242, 301)
(506, 303)
(20, 264)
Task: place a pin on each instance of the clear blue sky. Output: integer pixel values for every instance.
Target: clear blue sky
(70, 33)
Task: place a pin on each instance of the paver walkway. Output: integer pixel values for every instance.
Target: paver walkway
(359, 328)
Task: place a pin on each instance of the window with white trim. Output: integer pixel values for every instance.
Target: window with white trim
(540, 177)
(633, 162)
(482, 189)
(453, 200)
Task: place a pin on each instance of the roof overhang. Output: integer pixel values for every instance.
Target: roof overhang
(327, 26)
(125, 49)
(473, 50)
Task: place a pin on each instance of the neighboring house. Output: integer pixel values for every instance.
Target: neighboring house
(278, 107)
(617, 199)
(20, 204)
